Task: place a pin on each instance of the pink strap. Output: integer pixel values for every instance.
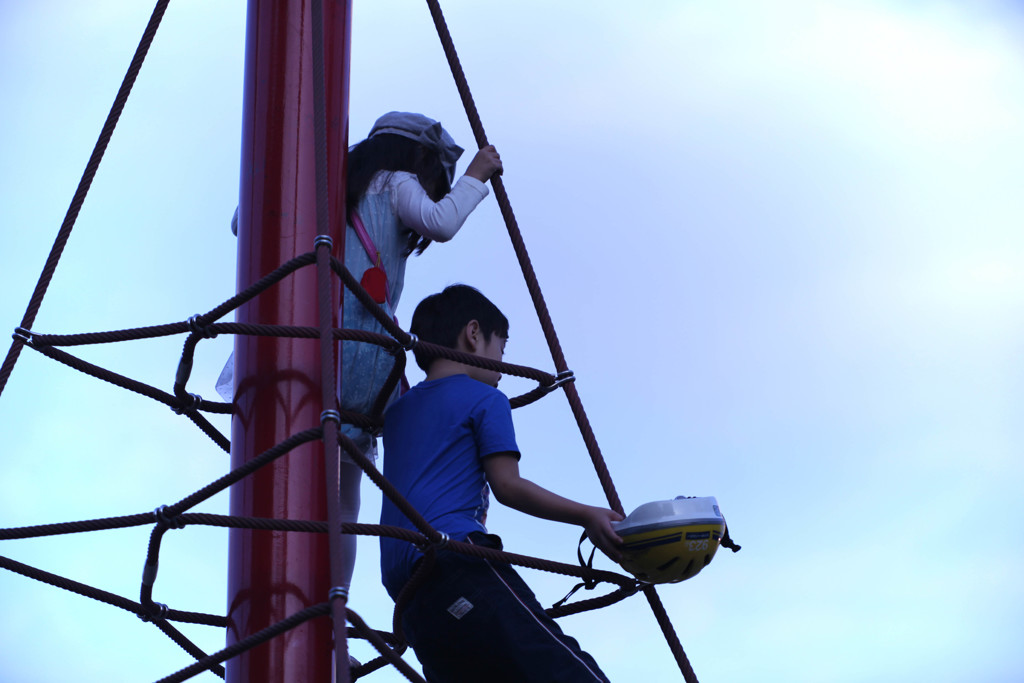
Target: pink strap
(371, 251)
(364, 237)
(374, 254)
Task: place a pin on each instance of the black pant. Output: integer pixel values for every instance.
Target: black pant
(474, 620)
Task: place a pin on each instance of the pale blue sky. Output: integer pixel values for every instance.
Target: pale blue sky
(781, 242)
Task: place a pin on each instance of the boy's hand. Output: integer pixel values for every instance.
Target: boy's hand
(485, 164)
(599, 531)
(522, 494)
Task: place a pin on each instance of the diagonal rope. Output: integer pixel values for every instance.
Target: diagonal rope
(248, 643)
(116, 601)
(546, 325)
(83, 188)
(525, 264)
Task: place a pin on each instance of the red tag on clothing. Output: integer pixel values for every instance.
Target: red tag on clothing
(375, 282)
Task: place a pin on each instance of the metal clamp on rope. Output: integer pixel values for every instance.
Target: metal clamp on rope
(333, 415)
(22, 334)
(196, 401)
(323, 239)
(154, 611)
(561, 378)
(337, 593)
(413, 340)
(201, 330)
(164, 519)
(443, 541)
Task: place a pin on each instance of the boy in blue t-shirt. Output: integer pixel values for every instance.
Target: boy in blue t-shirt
(447, 443)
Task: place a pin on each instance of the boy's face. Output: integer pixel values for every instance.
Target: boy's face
(493, 349)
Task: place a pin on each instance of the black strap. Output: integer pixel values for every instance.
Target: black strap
(589, 584)
(727, 542)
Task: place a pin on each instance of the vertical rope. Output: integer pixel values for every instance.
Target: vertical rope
(83, 189)
(325, 302)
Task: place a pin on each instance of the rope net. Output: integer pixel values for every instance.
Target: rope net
(389, 643)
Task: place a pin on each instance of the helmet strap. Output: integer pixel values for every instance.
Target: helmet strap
(589, 584)
(727, 542)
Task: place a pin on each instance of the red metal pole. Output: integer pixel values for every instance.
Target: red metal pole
(277, 381)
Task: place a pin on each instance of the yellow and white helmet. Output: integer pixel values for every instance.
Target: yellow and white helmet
(671, 540)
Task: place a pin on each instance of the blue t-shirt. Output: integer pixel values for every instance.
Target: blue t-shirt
(434, 439)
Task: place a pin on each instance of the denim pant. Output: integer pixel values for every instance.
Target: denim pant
(475, 620)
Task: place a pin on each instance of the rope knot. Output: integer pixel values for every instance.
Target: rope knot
(169, 521)
(189, 404)
(442, 541)
(561, 378)
(197, 327)
(153, 612)
(22, 334)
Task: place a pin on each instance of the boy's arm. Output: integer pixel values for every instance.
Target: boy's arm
(522, 494)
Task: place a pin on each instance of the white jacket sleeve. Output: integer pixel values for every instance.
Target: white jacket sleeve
(441, 220)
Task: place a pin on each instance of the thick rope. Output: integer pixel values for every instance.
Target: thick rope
(105, 596)
(545, 319)
(62, 528)
(169, 519)
(83, 187)
(173, 517)
(183, 402)
(117, 601)
(326, 310)
(166, 517)
(670, 634)
(190, 409)
(244, 470)
(252, 641)
(382, 647)
(185, 644)
(526, 266)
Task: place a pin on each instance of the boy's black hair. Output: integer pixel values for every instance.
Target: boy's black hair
(441, 317)
(390, 152)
